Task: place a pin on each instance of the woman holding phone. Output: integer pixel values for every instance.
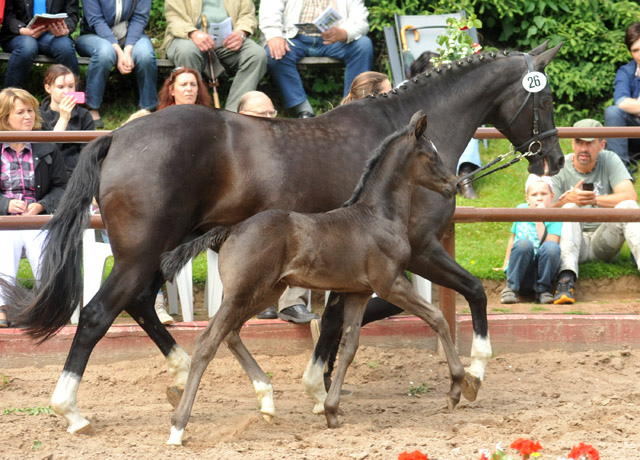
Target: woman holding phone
(60, 111)
(32, 180)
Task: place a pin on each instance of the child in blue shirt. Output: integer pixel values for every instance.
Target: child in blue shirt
(533, 252)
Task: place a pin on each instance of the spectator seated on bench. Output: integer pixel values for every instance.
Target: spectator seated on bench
(26, 43)
(188, 46)
(132, 52)
(286, 45)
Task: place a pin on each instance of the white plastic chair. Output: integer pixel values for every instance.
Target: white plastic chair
(213, 286)
(95, 255)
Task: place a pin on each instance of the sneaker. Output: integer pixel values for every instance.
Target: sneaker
(508, 296)
(565, 290)
(163, 316)
(545, 298)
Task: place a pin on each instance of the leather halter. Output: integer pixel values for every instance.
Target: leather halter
(537, 136)
(534, 141)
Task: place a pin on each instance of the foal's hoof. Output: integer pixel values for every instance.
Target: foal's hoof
(470, 386)
(174, 395)
(86, 430)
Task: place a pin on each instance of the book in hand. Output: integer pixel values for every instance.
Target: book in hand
(329, 18)
(46, 19)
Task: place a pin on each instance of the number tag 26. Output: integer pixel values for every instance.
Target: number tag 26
(534, 82)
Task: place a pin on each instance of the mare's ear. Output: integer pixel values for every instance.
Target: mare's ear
(539, 49)
(421, 126)
(543, 59)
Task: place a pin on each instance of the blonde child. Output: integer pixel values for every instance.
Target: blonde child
(533, 254)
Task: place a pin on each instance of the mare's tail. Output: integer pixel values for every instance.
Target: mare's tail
(50, 306)
(173, 261)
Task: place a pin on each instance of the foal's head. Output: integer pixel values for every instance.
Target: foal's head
(428, 169)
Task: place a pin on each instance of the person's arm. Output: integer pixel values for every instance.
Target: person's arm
(97, 22)
(245, 20)
(354, 20)
(630, 105)
(137, 23)
(622, 96)
(71, 8)
(622, 191)
(576, 195)
(65, 108)
(271, 18)
(57, 184)
(179, 23)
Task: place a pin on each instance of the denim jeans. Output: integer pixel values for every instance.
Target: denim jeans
(104, 58)
(533, 273)
(615, 116)
(24, 50)
(357, 56)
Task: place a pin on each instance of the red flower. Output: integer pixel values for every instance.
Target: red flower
(464, 28)
(585, 451)
(415, 455)
(526, 447)
(484, 457)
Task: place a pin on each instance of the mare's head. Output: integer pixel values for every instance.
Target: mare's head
(525, 112)
(428, 170)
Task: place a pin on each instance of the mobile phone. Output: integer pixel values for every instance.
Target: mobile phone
(587, 186)
(78, 95)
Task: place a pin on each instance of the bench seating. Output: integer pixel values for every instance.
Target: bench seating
(303, 64)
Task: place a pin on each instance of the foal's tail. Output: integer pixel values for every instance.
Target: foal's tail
(49, 306)
(172, 262)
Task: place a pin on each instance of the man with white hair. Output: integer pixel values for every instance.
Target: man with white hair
(592, 177)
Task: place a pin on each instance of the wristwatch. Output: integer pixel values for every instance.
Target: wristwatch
(244, 34)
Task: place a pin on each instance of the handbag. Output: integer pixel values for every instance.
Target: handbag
(120, 29)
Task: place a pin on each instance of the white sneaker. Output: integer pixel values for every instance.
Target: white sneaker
(163, 316)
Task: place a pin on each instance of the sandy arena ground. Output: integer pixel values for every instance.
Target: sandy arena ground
(557, 397)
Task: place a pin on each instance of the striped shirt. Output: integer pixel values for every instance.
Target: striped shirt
(17, 176)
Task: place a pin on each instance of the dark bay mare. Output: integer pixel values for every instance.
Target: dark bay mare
(360, 248)
(186, 169)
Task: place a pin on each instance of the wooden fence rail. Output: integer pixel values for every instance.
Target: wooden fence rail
(462, 214)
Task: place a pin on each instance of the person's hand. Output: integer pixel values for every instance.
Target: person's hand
(125, 60)
(34, 209)
(334, 35)
(33, 32)
(203, 40)
(17, 207)
(580, 197)
(499, 269)
(278, 47)
(234, 41)
(66, 107)
(58, 29)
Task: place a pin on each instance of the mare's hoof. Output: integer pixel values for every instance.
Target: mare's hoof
(332, 420)
(174, 395)
(268, 417)
(86, 430)
(470, 386)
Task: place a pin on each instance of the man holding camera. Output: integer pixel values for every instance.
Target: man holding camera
(592, 177)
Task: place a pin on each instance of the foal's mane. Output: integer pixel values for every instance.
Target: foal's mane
(374, 161)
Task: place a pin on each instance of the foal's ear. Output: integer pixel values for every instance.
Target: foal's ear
(421, 126)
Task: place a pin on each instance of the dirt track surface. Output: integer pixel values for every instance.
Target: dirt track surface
(556, 397)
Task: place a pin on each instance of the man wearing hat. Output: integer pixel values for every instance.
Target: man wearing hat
(592, 177)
